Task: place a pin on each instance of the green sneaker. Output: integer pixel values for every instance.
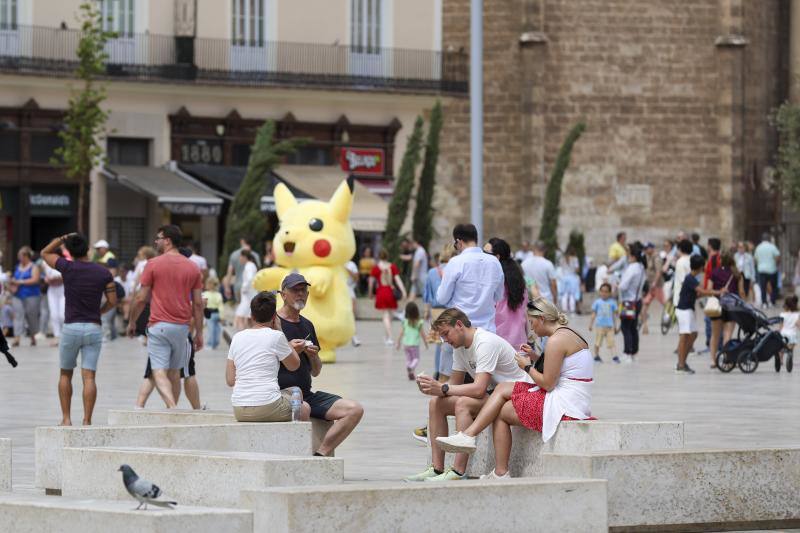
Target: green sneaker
(422, 476)
(448, 475)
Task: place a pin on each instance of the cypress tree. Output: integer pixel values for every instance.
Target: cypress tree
(245, 218)
(548, 233)
(423, 211)
(398, 207)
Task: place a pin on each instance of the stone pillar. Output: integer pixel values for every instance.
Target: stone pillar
(794, 53)
(97, 206)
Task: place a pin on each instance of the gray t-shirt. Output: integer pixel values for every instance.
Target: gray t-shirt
(540, 270)
(421, 257)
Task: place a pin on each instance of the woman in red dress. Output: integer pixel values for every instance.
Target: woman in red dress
(561, 392)
(383, 278)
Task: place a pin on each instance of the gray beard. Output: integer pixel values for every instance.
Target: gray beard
(299, 305)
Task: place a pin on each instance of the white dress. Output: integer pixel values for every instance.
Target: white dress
(248, 291)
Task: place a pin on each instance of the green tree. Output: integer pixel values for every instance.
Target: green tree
(548, 233)
(787, 121)
(245, 218)
(576, 242)
(84, 129)
(423, 211)
(398, 207)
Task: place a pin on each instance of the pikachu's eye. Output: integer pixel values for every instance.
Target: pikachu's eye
(315, 224)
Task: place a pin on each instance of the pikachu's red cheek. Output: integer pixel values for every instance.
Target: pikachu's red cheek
(322, 248)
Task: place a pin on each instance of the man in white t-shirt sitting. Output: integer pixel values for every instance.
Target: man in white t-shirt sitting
(254, 359)
(489, 359)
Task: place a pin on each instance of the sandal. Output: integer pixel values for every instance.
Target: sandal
(713, 366)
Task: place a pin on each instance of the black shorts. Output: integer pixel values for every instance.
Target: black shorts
(149, 371)
(142, 320)
(320, 402)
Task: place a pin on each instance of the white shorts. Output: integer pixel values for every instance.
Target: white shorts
(686, 321)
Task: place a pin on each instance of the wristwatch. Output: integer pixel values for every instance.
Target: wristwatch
(527, 369)
(445, 388)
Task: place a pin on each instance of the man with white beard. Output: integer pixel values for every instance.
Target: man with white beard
(302, 337)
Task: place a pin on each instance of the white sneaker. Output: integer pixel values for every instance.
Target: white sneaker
(355, 341)
(388, 342)
(493, 475)
(627, 359)
(458, 443)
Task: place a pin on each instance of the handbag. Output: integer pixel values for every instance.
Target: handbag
(713, 307)
(628, 310)
(397, 293)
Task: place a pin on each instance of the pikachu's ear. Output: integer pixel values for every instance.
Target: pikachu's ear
(284, 199)
(342, 201)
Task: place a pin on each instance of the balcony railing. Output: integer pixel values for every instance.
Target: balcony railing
(162, 58)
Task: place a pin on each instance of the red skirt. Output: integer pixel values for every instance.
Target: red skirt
(529, 406)
(384, 298)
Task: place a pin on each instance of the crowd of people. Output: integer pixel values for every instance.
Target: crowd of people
(504, 355)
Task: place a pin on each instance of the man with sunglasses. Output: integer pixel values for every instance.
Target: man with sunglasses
(173, 284)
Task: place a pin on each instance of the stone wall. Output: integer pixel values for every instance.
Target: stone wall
(664, 148)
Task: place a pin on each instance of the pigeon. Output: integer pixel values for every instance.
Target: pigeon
(5, 351)
(141, 489)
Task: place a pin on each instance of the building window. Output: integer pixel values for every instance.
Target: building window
(247, 23)
(118, 16)
(240, 155)
(43, 146)
(126, 235)
(310, 155)
(8, 14)
(128, 151)
(9, 146)
(365, 26)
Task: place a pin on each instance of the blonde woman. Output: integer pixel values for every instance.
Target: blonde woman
(562, 390)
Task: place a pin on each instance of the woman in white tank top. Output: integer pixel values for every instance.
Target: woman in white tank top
(562, 390)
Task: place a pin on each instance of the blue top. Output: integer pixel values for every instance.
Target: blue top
(432, 282)
(604, 311)
(26, 291)
(473, 283)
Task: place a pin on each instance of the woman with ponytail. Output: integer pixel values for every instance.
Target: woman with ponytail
(509, 318)
(563, 379)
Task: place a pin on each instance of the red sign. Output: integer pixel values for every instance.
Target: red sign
(363, 160)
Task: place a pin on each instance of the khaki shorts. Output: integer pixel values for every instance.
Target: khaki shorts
(604, 333)
(278, 411)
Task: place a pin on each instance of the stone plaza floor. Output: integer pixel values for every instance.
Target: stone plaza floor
(720, 410)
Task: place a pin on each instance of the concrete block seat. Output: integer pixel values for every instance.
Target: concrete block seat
(164, 417)
(525, 504)
(572, 437)
(692, 490)
(285, 438)
(32, 513)
(5, 465)
(193, 477)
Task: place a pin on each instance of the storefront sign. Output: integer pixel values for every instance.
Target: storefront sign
(192, 209)
(201, 151)
(363, 160)
(49, 200)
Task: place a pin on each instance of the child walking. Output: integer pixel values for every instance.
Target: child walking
(410, 336)
(790, 318)
(213, 311)
(604, 316)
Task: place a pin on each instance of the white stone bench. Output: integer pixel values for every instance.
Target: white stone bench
(164, 417)
(525, 504)
(679, 489)
(572, 437)
(285, 438)
(193, 477)
(31, 513)
(5, 465)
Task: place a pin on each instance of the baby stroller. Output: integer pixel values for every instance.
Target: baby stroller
(755, 341)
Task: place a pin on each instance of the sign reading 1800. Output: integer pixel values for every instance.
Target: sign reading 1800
(363, 160)
(201, 151)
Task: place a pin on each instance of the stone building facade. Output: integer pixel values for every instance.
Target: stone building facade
(675, 94)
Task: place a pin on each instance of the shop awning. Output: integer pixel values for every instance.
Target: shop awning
(369, 210)
(174, 190)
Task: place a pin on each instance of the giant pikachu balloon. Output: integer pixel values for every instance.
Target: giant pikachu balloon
(315, 238)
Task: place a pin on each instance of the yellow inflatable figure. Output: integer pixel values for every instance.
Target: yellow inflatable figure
(316, 239)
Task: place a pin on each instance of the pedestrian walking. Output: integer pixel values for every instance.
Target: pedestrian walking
(85, 284)
(24, 287)
(630, 295)
(212, 300)
(247, 291)
(411, 334)
(766, 256)
(747, 266)
(385, 277)
(542, 272)
(55, 299)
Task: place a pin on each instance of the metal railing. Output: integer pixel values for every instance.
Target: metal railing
(52, 51)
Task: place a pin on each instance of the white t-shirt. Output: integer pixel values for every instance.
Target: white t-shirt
(351, 268)
(489, 353)
(682, 267)
(542, 271)
(256, 353)
(200, 261)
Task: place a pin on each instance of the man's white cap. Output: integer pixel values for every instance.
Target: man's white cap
(102, 243)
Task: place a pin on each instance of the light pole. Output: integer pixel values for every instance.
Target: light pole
(476, 115)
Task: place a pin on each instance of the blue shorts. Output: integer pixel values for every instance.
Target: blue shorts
(83, 337)
(168, 345)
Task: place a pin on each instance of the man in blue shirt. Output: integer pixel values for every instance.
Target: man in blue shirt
(766, 255)
(472, 280)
